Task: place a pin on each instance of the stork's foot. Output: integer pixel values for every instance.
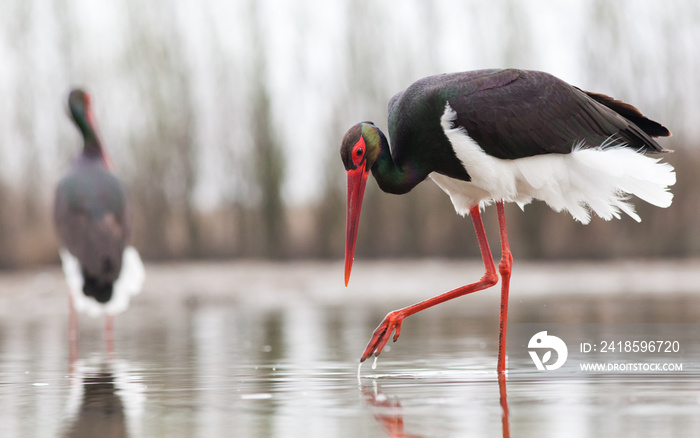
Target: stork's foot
(391, 324)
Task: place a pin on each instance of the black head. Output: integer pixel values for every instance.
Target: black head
(361, 146)
(79, 105)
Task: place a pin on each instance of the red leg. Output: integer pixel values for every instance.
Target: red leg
(504, 405)
(392, 321)
(504, 267)
(109, 333)
(72, 331)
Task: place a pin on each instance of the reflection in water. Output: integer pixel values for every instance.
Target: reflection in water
(389, 412)
(103, 401)
(209, 368)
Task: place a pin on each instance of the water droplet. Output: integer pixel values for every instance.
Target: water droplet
(374, 364)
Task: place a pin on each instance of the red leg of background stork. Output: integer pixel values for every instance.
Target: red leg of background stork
(504, 267)
(392, 321)
(72, 331)
(109, 333)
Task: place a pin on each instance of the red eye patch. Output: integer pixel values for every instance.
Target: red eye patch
(358, 151)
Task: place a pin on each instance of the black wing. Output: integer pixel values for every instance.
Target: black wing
(514, 114)
(91, 222)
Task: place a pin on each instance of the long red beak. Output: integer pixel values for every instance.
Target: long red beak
(357, 179)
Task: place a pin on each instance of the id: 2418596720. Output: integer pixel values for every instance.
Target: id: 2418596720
(660, 346)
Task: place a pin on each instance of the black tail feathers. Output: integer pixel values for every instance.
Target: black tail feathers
(99, 290)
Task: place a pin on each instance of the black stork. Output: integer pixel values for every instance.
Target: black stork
(495, 136)
(91, 220)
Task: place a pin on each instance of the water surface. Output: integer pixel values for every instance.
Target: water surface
(200, 364)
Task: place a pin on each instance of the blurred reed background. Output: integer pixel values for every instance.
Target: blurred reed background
(224, 118)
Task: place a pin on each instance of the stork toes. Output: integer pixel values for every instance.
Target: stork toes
(391, 324)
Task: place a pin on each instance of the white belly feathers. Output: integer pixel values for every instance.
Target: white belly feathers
(598, 179)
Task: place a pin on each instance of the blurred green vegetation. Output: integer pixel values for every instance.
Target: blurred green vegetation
(224, 119)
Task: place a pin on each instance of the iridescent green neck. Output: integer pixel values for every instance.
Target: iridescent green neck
(92, 145)
(392, 177)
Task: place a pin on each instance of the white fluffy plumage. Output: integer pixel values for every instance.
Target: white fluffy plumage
(128, 284)
(598, 180)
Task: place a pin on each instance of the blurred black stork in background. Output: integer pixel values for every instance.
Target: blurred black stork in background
(495, 136)
(91, 219)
